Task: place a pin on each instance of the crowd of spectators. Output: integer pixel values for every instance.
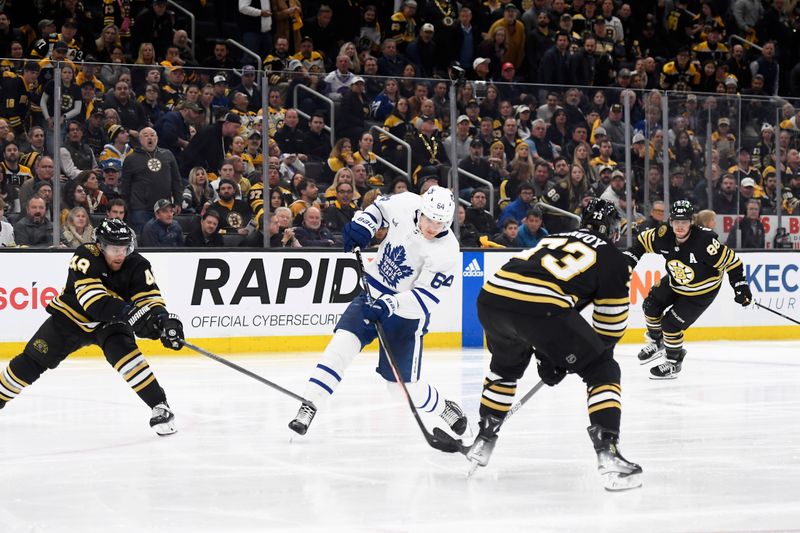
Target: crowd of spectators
(174, 142)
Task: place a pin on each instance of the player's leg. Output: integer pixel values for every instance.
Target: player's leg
(121, 352)
(604, 401)
(683, 313)
(50, 345)
(511, 355)
(350, 336)
(660, 297)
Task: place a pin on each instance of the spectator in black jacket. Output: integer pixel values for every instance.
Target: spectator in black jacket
(131, 114)
(208, 147)
(149, 174)
(154, 25)
(354, 111)
(317, 140)
(312, 232)
(341, 211)
(477, 215)
(173, 127)
(206, 234)
(290, 137)
(751, 227)
(162, 230)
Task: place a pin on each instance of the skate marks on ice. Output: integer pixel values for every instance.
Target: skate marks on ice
(718, 447)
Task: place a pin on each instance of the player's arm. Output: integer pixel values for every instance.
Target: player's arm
(642, 244)
(725, 259)
(434, 282)
(255, 197)
(358, 233)
(611, 302)
(149, 317)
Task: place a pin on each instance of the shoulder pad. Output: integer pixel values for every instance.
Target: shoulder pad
(92, 249)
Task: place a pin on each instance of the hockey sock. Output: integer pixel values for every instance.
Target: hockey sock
(20, 373)
(653, 326)
(327, 375)
(605, 405)
(498, 395)
(135, 370)
(426, 397)
(673, 341)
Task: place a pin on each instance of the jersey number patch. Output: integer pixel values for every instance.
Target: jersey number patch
(79, 264)
(577, 257)
(440, 280)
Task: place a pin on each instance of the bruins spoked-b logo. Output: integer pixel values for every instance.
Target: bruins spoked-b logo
(680, 273)
(40, 345)
(154, 164)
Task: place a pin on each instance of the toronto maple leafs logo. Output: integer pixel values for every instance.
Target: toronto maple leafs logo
(392, 267)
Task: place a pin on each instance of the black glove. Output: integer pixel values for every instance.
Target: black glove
(743, 295)
(172, 334)
(550, 375)
(145, 321)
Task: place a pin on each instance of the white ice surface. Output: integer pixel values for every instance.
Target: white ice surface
(720, 449)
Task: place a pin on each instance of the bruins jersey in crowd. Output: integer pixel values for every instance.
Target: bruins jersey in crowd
(695, 267)
(673, 77)
(43, 47)
(95, 294)
(566, 270)
(15, 100)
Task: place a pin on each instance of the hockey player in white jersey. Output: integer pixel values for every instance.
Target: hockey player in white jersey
(415, 266)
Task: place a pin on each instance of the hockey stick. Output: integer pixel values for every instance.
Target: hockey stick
(443, 442)
(771, 310)
(244, 371)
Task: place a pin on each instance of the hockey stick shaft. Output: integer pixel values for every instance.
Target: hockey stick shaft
(771, 310)
(388, 350)
(522, 401)
(246, 372)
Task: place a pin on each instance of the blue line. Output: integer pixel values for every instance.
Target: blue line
(329, 371)
(428, 294)
(321, 384)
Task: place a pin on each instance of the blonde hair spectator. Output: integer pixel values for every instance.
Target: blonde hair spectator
(77, 228)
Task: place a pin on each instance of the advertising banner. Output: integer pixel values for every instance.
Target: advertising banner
(727, 223)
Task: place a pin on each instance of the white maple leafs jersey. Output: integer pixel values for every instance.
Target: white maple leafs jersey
(416, 270)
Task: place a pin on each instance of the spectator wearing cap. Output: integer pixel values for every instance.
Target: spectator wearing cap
(423, 50)
(767, 193)
(403, 26)
(173, 128)
(724, 141)
(680, 74)
(208, 147)
(474, 163)
(220, 91)
(517, 209)
(312, 59)
(480, 69)
(110, 184)
(615, 128)
(118, 148)
(515, 34)
(764, 150)
(751, 228)
(235, 213)
(461, 139)
(162, 231)
(615, 189)
(76, 155)
(150, 173)
(509, 89)
(48, 64)
(248, 85)
(354, 111)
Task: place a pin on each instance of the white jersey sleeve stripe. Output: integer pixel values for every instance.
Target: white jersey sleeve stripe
(427, 293)
(421, 303)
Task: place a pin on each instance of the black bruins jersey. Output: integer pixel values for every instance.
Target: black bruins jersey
(565, 271)
(95, 294)
(695, 267)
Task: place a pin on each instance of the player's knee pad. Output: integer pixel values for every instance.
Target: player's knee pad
(652, 307)
(342, 349)
(117, 345)
(672, 322)
(27, 368)
(604, 369)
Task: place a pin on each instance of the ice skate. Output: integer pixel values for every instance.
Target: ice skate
(454, 417)
(481, 450)
(653, 350)
(163, 420)
(670, 368)
(616, 472)
(303, 419)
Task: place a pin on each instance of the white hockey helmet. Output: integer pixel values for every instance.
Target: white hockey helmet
(438, 205)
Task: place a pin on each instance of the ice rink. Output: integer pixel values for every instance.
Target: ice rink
(720, 449)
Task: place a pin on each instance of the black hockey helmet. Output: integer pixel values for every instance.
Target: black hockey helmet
(114, 232)
(601, 216)
(681, 210)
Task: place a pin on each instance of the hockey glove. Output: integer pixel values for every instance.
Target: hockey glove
(145, 321)
(550, 374)
(743, 296)
(354, 235)
(172, 334)
(381, 309)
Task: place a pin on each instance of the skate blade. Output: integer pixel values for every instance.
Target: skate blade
(165, 429)
(660, 353)
(663, 378)
(473, 466)
(615, 482)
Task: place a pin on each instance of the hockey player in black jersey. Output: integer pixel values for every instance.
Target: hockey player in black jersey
(695, 262)
(531, 306)
(110, 294)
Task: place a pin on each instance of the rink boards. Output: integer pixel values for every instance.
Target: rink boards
(277, 301)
